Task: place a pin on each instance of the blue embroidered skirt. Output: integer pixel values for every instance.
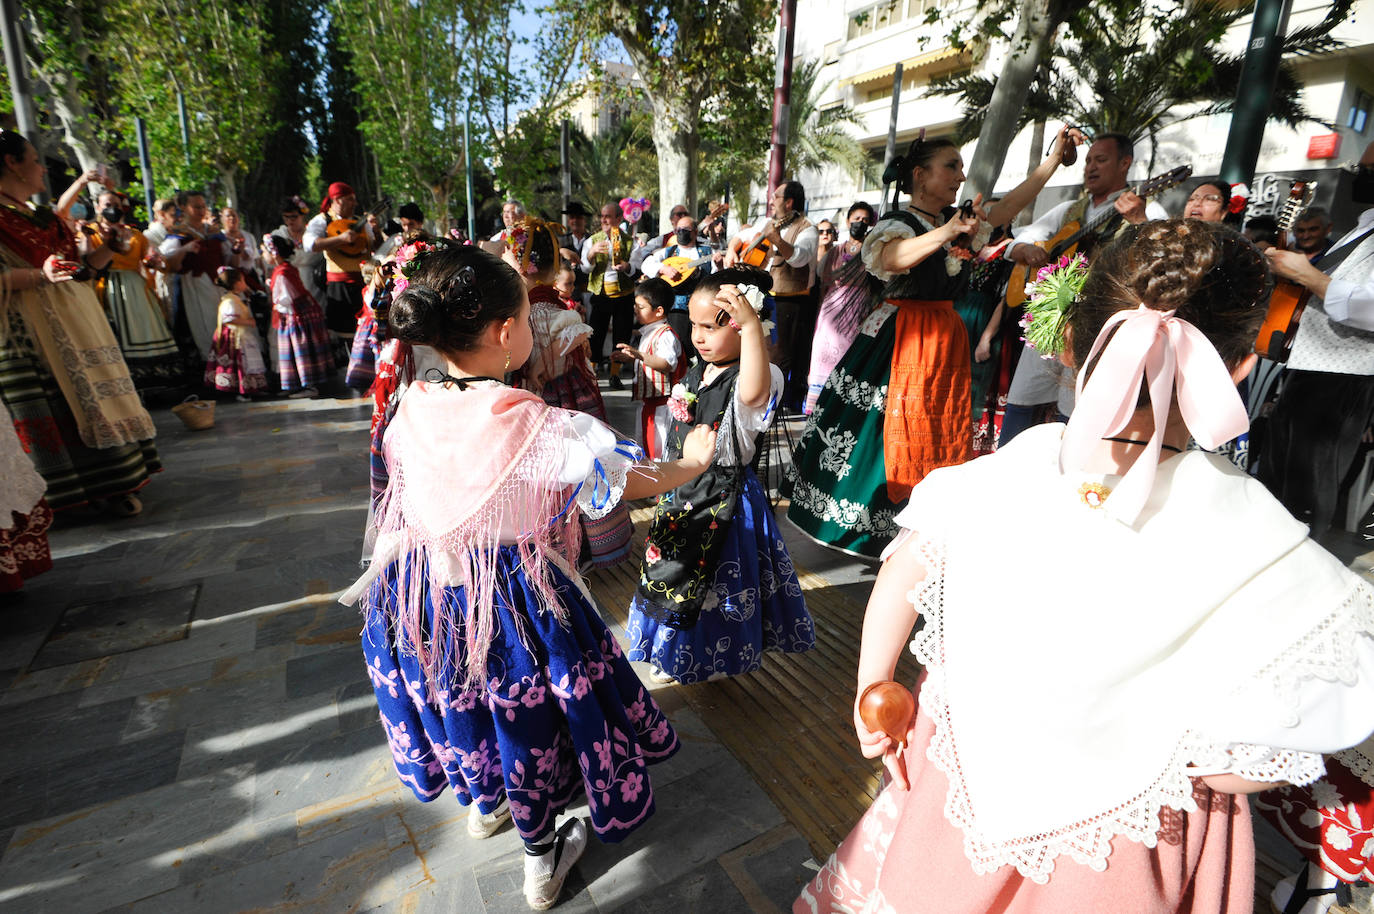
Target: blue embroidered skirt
(757, 605)
(565, 716)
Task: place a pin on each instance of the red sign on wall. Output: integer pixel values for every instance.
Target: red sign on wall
(1324, 146)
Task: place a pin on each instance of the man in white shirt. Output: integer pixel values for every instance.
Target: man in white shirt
(792, 265)
(512, 211)
(685, 243)
(343, 257)
(644, 251)
(1039, 383)
(1326, 405)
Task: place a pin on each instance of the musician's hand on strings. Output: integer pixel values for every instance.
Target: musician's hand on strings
(1292, 265)
(1031, 256)
(1131, 207)
(719, 258)
(669, 273)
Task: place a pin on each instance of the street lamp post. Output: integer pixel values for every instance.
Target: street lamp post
(1255, 92)
(782, 93)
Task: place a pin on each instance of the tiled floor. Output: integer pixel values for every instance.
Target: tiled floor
(187, 727)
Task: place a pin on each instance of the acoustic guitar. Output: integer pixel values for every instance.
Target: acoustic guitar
(686, 267)
(357, 224)
(1066, 241)
(1275, 339)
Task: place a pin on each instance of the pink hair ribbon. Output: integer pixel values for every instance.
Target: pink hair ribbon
(1168, 352)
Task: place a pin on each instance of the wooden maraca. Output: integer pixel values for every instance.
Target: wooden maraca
(888, 707)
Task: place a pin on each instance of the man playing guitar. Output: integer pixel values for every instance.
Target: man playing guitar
(1327, 403)
(685, 244)
(343, 256)
(794, 241)
(1038, 381)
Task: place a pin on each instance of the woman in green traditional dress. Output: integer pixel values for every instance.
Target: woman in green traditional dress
(62, 376)
(899, 404)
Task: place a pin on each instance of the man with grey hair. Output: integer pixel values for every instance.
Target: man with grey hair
(1312, 233)
(512, 211)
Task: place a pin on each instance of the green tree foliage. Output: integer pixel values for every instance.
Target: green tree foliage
(1133, 68)
(422, 69)
(619, 163)
(219, 54)
(696, 60)
(293, 27)
(816, 136)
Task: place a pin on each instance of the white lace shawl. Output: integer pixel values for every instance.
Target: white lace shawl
(1075, 694)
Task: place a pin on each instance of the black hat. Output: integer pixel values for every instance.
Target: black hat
(411, 211)
(576, 209)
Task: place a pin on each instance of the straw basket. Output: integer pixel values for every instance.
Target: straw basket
(195, 413)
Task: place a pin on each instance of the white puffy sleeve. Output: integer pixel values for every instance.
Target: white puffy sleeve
(596, 461)
(750, 420)
(885, 232)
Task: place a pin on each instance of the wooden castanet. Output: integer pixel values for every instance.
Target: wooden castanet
(888, 707)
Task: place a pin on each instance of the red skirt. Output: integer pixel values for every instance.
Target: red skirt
(24, 551)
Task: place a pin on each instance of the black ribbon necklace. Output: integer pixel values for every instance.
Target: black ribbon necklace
(1167, 447)
(933, 216)
(439, 376)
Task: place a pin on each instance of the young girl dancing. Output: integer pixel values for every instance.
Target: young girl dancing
(494, 674)
(1091, 741)
(303, 356)
(716, 585)
(236, 356)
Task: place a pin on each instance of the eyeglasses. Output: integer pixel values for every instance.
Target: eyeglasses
(1206, 198)
(828, 232)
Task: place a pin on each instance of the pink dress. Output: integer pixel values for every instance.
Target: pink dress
(904, 857)
(832, 337)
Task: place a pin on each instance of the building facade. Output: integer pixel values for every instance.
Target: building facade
(860, 42)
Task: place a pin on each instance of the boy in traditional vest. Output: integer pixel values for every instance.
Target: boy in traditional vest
(661, 363)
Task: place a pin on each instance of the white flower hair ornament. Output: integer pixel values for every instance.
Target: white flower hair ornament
(757, 299)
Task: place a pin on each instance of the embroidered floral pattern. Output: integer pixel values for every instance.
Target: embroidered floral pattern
(834, 458)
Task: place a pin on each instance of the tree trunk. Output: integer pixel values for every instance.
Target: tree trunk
(229, 186)
(1037, 146)
(1036, 24)
(676, 141)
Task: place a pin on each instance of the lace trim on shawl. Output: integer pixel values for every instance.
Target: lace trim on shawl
(1323, 653)
(599, 495)
(528, 498)
(1359, 761)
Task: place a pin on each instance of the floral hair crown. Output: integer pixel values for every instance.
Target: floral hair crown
(1049, 301)
(520, 239)
(409, 257)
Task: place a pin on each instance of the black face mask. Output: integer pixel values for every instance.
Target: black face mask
(112, 214)
(1362, 188)
(685, 236)
(857, 230)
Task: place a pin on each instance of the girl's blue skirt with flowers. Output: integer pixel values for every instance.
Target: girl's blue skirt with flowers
(756, 606)
(562, 717)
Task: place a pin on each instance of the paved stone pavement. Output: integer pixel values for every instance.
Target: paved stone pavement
(187, 726)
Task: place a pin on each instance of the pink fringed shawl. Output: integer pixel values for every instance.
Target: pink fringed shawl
(469, 471)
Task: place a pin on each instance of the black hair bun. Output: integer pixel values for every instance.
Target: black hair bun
(417, 316)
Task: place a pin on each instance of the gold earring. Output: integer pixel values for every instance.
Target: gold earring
(507, 368)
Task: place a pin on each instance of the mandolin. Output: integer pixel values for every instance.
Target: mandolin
(1072, 233)
(685, 266)
(357, 224)
(1275, 339)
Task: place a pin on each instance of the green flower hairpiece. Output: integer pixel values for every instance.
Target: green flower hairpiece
(1048, 301)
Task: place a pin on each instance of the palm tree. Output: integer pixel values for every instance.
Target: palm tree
(615, 164)
(816, 136)
(1126, 68)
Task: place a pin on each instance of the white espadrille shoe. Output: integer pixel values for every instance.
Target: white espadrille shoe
(544, 874)
(484, 825)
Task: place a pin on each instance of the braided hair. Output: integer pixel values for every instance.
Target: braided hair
(1206, 272)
